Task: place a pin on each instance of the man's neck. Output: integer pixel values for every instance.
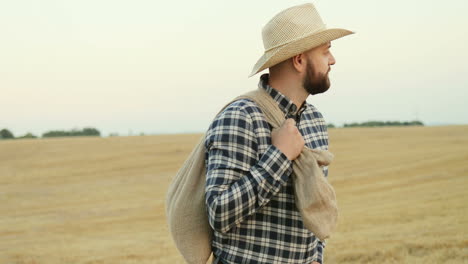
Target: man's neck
(290, 88)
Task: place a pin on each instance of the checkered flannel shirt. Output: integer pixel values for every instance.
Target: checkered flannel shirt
(249, 190)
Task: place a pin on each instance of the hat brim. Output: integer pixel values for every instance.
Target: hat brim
(277, 55)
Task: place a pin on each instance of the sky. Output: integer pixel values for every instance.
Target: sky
(142, 66)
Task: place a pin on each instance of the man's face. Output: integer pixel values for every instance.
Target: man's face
(316, 78)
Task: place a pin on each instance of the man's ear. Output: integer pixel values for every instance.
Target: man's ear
(299, 63)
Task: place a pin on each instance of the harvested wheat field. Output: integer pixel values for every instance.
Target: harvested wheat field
(402, 194)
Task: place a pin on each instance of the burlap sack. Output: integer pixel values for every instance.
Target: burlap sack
(315, 197)
(185, 209)
(185, 200)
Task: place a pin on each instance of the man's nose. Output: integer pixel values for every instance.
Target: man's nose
(332, 60)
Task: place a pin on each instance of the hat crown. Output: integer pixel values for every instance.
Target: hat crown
(291, 24)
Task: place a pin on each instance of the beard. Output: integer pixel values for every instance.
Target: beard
(315, 83)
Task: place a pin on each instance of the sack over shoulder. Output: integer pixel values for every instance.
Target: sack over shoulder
(185, 208)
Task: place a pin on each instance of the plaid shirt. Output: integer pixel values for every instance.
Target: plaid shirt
(249, 190)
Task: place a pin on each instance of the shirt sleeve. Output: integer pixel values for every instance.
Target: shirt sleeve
(239, 182)
(320, 252)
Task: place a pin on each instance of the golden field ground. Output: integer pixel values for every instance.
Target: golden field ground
(402, 194)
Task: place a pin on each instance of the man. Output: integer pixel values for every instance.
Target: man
(249, 190)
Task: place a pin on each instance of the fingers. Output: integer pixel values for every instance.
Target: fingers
(288, 139)
(290, 125)
(289, 122)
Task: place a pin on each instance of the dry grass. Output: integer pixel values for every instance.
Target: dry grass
(401, 192)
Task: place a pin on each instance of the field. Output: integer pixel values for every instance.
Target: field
(402, 194)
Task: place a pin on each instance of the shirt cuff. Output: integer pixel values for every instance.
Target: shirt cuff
(276, 164)
(320, 251)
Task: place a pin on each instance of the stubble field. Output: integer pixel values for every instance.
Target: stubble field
(402, 195)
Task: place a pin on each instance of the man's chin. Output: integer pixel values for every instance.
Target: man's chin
(317, 88)
(322, 89)
(326, 87)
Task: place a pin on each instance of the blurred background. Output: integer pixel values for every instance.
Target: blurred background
(108, 98)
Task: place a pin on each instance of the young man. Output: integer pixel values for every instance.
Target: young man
(249, 190)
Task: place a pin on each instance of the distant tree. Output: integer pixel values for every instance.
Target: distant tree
(384, 123)
(416, 123)
(74, 132)
(6, 134)
(113, 134)
(330, 125)
(28, 135)
(89, 131)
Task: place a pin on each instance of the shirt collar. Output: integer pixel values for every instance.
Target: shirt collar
(285, 104)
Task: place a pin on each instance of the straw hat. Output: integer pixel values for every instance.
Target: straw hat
(293, 31)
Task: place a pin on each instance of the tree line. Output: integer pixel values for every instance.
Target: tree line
(381, 123)
(87, 131)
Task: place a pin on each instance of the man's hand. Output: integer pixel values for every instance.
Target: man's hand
(288, 139)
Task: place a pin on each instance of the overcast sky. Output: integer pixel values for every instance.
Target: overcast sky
(168, 66)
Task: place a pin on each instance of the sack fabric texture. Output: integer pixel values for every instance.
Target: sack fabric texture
(185, 200)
